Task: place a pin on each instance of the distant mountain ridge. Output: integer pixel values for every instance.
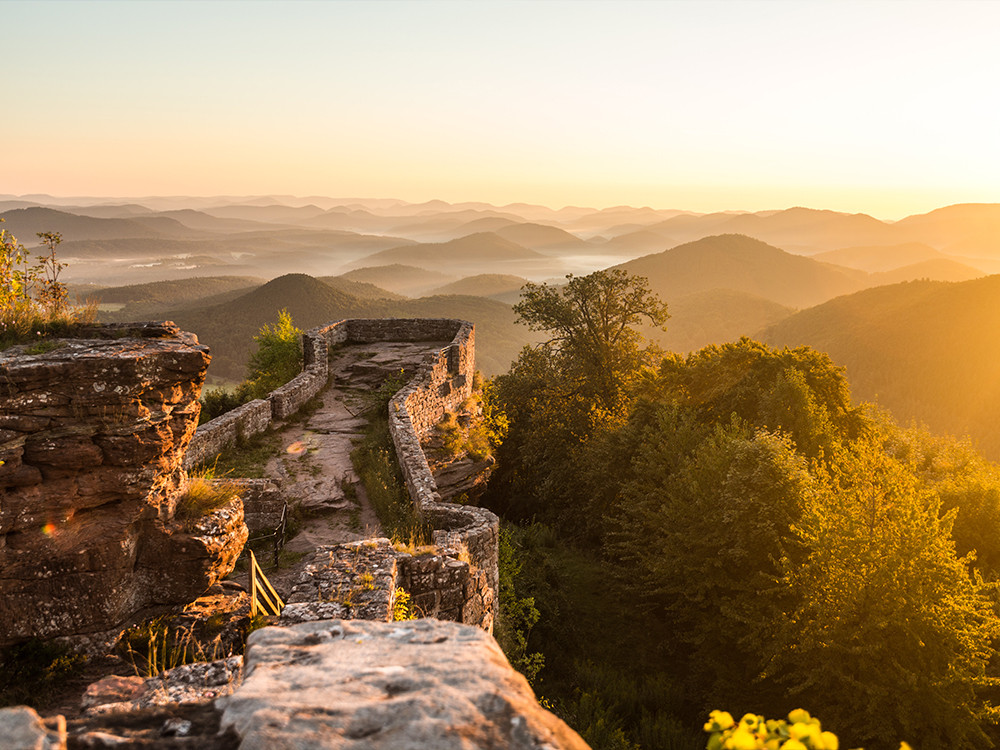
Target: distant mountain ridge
(926, 350)
(738, 262)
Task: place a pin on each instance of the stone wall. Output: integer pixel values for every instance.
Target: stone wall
(440, 385)
(356, 685)
(262, 504)
(451, 374)
(242, 422)
(459, 530)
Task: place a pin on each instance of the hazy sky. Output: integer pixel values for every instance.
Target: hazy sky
(884, 107)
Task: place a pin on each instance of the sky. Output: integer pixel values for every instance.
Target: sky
(887, 108)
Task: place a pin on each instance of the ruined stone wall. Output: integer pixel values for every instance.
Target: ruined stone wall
(459, 530)
(242, 422)
(439, 386)
(451, 375)
(262, 504)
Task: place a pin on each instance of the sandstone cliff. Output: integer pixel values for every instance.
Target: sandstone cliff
(92, 434)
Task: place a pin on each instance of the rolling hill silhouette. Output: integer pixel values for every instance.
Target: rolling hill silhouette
(937, 269)
(471, 250)
(23, 223)
(399, 278)
(926, 350)
(715, 316)
(875, 258)
(963, 229)
(541, 237)
(228, 328)
(803, 229)
(733, 261)
(177, 291)
(501, 286)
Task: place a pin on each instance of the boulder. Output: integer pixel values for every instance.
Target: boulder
(22, 729)
(415, 685)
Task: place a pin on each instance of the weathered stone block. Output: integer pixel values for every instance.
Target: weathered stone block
(419, 685)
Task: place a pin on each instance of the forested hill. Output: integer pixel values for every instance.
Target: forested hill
(926, 350)
(735, 261)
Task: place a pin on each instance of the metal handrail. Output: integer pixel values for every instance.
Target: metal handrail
(264, 600)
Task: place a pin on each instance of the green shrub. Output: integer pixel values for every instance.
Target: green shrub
(278, 358)
(33, 302)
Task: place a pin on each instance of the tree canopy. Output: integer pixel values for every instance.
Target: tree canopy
(591, 321)
(794, 548)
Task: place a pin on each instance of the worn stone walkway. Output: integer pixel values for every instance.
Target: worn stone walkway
(314, 467)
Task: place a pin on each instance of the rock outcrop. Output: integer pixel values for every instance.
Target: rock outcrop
(421, 684)
(92, 434)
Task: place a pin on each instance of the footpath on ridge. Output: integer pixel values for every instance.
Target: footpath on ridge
(314, 469)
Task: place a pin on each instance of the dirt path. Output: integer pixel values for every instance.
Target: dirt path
(315, 468)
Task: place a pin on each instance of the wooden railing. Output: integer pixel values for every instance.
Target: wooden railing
(264, 600)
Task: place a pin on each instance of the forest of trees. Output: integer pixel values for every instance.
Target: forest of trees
(728, 530)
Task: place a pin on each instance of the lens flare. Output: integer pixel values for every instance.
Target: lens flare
(49, 529)
(296, 448)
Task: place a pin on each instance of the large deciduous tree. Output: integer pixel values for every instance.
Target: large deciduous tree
(557, 394)
(591, 322)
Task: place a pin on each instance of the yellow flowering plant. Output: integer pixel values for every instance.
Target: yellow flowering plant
(799, 732)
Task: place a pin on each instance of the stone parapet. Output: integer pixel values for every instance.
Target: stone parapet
(422, 685)
(262, 504)
(212, 437)
(439, 386)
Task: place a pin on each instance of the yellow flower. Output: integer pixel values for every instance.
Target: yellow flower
(793, 745)
(830, 741)
(718, 720)
(799, 716)
(742, 739)
(803, 732)
(752, 721)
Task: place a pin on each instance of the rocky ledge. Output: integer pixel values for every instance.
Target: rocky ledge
(414, 685)
(92, 433)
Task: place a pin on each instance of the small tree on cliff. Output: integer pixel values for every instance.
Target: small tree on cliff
(33, 302)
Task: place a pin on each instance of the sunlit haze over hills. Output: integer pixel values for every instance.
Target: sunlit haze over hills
(876, 107)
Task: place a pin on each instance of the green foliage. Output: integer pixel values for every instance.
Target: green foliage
(278, 358)
(889, 634)
(31, 671)
(797, 391)
(32, 299)
(458, 439)
(697, 532)
(591, 322)
(598, 725)
(217, 401)
(555, 396)
(517, 614)
(785, 544)
(401, 607)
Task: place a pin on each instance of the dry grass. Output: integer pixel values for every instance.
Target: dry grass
(203, 494)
